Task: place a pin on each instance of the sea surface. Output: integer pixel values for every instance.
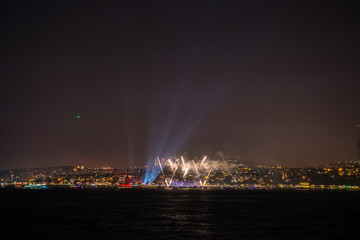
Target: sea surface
(178, 214)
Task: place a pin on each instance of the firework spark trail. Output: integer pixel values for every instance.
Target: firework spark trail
(183, 162)
(198, 169)
(203, 161)
(187, 169)
(172, 177)
(207, 177)
(197, 172)
(161, 167)
(171, 165)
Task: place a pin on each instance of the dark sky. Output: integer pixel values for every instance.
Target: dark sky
(267, 81)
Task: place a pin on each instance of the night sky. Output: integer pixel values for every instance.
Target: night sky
(264, 81)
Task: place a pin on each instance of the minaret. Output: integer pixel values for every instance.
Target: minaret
(358, 143)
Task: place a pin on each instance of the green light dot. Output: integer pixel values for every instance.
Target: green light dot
(78, 116)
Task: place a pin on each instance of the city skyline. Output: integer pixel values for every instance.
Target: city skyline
(188, 174)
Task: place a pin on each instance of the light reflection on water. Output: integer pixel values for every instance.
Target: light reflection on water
(177, 215)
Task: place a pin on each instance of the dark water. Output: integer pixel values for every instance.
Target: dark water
(178, 214)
